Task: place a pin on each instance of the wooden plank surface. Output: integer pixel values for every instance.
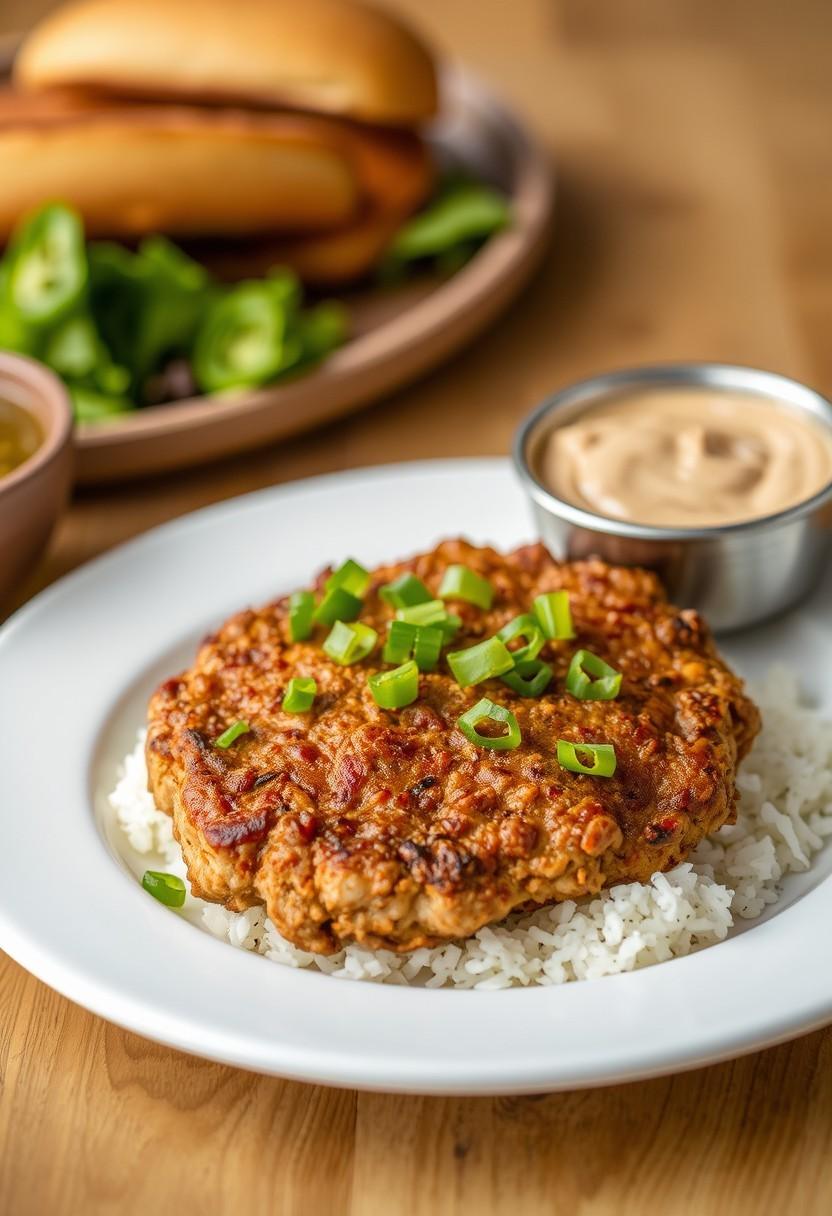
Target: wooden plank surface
(692, 142)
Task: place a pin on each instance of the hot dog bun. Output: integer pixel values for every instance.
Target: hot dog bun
(133, 169)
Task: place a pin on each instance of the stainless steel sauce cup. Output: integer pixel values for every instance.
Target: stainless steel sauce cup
(735, 575)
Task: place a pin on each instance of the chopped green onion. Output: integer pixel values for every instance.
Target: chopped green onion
(169, 889)
(530, 678)
(460, 583)
(432, 612)
(338, 604)
(348, 644)
(602, 756)
(429, 612)
(421, 642)
(528, 628)
(232, 733)
(487, 711)
(554, 614)
(299, 695)
(400, 642)
(481, 662)
(429, 639)
(405, 591)
(585, 665)
(397, 688)
(301, 611)
(351, 576)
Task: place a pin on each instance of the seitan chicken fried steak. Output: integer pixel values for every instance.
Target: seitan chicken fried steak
(392, 829)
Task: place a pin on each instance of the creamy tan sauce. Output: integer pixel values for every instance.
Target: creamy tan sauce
(20, 436)
(687, 457)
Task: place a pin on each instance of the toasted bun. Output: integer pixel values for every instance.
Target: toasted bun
(333, 56)
(396, 174)
(140, 169)
(133, 169)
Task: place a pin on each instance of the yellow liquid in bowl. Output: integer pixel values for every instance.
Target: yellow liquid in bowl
(20, 436)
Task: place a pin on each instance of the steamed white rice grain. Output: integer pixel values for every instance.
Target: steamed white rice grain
(785, 817)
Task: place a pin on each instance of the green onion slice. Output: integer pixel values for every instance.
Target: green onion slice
(554, 614)
(299, 695)
(167, 888)
(591, 679)
(460, 583)
(429, 639)
(401, 639)
(487, 711)
(601, 757)
(338, 604)
(431, 612)
(405, 591)
(530, 678)
(528, 628)
(232, 733)
(481, 662)
(397, 688)
(346, 644)
(301, 611)
(420, 642)
(351, 576)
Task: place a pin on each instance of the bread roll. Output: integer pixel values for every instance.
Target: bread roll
(180, 170)
(396, 174)
(133, 169)
(333, 56)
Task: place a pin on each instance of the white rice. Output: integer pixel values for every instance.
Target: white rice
(785, 814)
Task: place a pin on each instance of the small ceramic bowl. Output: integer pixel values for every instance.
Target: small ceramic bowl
(735, 575)
(33, 495)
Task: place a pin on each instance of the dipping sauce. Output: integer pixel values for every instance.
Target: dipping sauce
(20, 436)
(686, 457)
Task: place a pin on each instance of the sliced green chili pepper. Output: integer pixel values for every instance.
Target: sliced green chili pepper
(245, 339)
(458, 220)
(47, 260)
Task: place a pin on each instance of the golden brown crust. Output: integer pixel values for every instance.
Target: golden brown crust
(396, 175)
(353, 823)
(333, 56)
(132, 169)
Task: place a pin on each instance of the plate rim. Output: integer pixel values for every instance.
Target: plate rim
(324, 1065)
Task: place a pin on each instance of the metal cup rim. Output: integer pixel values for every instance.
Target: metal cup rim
(772, 385)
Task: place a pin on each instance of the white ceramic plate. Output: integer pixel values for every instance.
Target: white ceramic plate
(76, 667)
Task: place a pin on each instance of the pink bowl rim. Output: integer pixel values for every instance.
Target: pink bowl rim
(58, 431)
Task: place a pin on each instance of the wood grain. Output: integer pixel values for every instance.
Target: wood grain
(692, 141)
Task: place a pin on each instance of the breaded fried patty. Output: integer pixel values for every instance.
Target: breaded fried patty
(390, 828)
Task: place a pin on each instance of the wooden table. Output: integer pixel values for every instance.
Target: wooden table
(692, 140)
